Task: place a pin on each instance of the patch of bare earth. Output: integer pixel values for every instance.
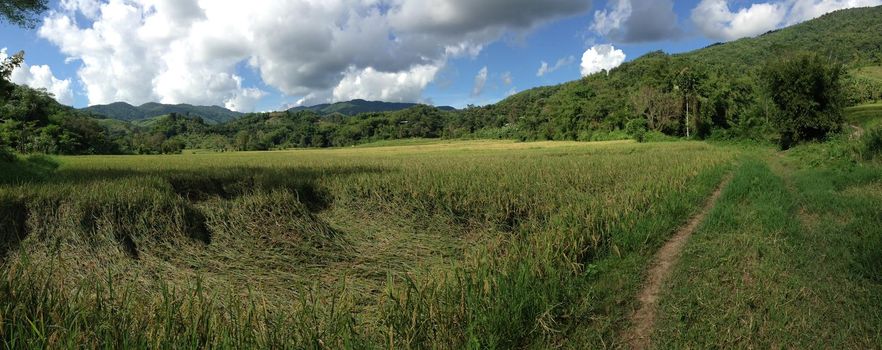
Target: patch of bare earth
(643, 319)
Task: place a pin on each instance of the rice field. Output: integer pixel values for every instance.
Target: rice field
(466, 244)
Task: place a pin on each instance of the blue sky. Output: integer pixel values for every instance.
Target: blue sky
(273, 54)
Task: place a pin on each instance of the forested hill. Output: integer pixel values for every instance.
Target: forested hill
(852, 37)
(721, 83)
(356, 107)
(126, 112)
(219, 115)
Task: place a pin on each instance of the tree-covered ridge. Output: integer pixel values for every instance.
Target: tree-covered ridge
(127, 112)
(358, 106)
(848, 36)
(723, 92)
(31, 121)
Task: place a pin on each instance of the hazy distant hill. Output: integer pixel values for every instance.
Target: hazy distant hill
(127, 112)
(355, 107)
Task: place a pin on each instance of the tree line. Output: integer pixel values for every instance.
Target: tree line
(793, 99)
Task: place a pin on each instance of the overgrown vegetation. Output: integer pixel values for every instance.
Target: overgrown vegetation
(22, 13)
(808, 95)
(871, 144)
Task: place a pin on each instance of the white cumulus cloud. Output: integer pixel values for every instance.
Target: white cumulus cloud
(601, 58)
(41, 77)
(804, 10)
(370, 84)
(317, 50)
(717, 20)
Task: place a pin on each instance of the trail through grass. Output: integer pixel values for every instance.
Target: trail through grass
(643, 319)
(789, 258)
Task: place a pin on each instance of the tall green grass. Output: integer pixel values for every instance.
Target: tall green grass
(788, 258)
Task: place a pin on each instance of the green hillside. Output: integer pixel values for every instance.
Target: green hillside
(127, 112)
(31, 121)
(726, 98)
(849, 36)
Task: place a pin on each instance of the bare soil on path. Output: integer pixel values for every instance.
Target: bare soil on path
(643, 319)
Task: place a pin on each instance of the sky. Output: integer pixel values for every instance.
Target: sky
(265, 55)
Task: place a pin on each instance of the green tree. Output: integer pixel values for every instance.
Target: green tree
(23, 13)
(242, 140)
(6, 68)
(809, 97)
(687, 82)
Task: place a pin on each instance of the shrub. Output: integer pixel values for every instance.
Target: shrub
(637, 129)
(809, 97)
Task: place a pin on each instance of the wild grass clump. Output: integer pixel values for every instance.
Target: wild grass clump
(871, 144)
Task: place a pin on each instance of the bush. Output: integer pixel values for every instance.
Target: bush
(808, 94)
(637, 129)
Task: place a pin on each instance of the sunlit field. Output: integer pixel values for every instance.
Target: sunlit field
(481, 243)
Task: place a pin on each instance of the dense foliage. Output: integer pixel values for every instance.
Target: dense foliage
(356, 107)
(808, 95)
(22, 13)
(32, 122)
(724, 92)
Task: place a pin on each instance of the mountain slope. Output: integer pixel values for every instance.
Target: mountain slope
(849, 36)
(355, 107)
(126, 112)
(117, 110)
(727, 96)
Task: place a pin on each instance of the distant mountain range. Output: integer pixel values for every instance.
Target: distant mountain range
(129, 113)
(217, 115)
(355, 107)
